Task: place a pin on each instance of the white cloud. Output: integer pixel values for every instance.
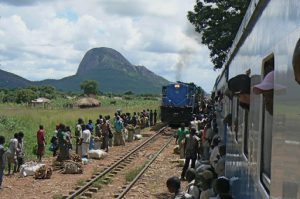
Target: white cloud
(47, 39)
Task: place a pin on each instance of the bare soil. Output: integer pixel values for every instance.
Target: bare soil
(153, 183)
(141, 159)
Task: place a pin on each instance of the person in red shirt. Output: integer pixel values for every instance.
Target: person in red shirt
(41, 142)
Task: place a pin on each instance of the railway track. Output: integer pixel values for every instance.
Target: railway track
(94, 184)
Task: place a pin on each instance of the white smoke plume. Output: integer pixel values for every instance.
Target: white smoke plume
(190, 42)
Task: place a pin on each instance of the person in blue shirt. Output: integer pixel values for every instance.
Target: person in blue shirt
(90, 126)
(119, 128)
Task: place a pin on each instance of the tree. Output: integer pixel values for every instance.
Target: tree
(24, 95)
(10, 96)
(218, 22)
(129, 93)
(47, 91)
(89, 87)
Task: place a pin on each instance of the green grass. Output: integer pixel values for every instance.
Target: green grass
(15, 118)
(98, 184)
(80, 182)
(130, 175)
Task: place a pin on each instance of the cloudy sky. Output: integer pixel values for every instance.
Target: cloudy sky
(42, 39)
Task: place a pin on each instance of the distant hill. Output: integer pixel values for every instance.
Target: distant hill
(107, 66)
(10, 80)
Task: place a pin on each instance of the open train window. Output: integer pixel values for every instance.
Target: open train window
(246, 132)
(267, 124)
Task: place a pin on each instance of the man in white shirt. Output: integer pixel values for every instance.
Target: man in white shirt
(86, 138)
(194, 123)
(215, 152)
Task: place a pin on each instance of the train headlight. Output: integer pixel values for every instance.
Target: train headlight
(177, 86)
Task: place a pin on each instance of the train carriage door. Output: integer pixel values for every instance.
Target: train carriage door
(266, 128)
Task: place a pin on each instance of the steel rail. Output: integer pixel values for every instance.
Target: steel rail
(86, 186)
(123, 193)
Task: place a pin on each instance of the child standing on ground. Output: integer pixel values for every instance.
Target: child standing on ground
(20, 150)
(12, 153)
(2, 159)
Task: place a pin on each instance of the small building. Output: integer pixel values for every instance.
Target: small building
(40, 102)
(87, 102)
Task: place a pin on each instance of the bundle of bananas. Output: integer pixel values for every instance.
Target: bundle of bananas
(75, 157)
(43, 173)
(71, 167)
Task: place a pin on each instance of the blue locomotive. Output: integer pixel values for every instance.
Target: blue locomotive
(179, 102)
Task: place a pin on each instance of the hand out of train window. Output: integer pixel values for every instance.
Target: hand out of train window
(296, 62)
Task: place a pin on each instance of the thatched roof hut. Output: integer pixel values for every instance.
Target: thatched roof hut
(87, 102)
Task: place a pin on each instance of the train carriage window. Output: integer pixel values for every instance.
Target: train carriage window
(267, 124)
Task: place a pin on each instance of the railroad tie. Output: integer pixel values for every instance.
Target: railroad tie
(88, 194)
(93, 189)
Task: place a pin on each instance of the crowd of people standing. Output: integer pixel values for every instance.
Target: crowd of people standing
(203, 151)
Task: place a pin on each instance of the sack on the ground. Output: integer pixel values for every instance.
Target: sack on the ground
(97, 154)
(71, 167)
(85, 161)
(43, 173)
(176, 149)
(29, 168)
(138, 137)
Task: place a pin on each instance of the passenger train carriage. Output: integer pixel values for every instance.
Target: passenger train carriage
(263, 149)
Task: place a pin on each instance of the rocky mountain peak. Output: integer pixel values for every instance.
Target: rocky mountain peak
(100, 58)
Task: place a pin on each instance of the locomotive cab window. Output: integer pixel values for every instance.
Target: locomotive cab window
(267, 124)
